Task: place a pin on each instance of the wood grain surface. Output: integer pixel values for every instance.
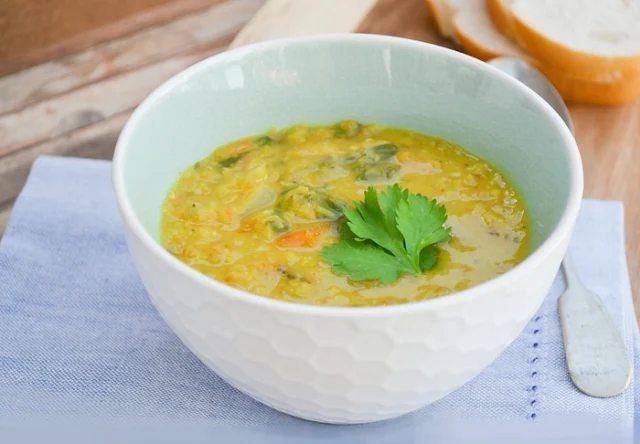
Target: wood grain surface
(77, 105)
(83, 100)
(37, 31)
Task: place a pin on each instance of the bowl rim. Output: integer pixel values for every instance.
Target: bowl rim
(562, 229)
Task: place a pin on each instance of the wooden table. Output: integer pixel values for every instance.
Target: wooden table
(77, 105)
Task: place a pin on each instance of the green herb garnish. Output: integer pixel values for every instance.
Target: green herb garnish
(264, 140)
(388, 235)
(230, 161)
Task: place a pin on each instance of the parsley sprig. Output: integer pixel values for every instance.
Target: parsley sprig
(389, 234)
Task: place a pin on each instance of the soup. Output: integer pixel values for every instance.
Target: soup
(257, 213)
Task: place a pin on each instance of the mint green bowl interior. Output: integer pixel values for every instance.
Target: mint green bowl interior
(328, 78)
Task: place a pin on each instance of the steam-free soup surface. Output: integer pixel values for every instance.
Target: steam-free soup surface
(256, 213)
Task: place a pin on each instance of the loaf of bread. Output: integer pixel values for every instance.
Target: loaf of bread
(589, 49)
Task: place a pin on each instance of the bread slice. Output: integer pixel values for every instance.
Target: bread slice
(438, 8)
(443, 12)
(586, 92)
(500, 13)
(595, 40)
(480, 38)
(475, 31)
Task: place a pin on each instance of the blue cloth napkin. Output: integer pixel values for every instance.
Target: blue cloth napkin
(80, 342)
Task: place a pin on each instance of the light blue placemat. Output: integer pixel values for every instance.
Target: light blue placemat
(80, 341)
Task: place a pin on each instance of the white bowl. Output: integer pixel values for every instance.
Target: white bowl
(330, 364)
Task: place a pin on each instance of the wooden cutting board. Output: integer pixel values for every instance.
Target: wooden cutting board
(77, 105)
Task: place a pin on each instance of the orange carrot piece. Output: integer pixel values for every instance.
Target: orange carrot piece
(302, 238)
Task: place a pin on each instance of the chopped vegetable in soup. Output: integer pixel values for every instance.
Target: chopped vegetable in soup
(268, 215)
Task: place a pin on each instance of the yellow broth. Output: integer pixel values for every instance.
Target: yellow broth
(256, 213)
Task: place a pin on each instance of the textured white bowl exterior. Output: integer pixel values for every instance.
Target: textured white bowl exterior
(351, 365)
(341, 368)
